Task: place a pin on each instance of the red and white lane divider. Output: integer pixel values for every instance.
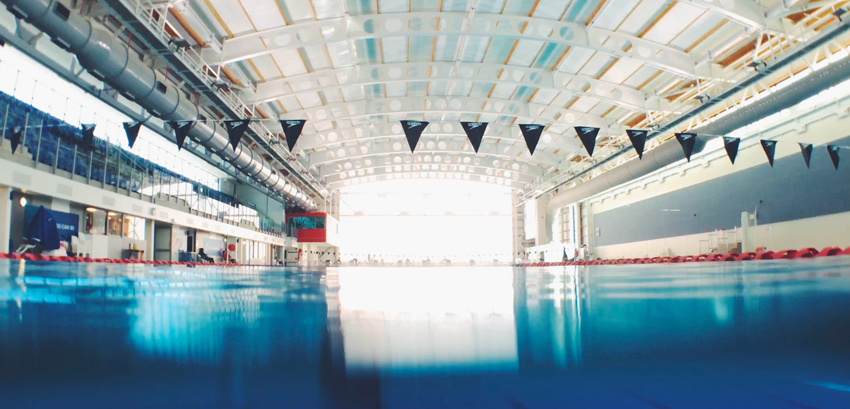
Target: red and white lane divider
(38, 257)
(809, 252)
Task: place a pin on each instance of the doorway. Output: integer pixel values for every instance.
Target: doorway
(162, 242)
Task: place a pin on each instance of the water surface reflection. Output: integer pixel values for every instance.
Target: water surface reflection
(758, 334)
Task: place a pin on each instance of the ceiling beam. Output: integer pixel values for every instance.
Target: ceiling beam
(499, 74)
(440, 105)
(431, 161)
(372, 26)
(452, 149)
(476, 175)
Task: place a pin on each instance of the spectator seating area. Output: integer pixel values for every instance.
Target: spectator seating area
(764, 255)
(57, 143)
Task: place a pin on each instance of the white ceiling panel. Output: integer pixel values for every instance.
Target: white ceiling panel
(544, 73)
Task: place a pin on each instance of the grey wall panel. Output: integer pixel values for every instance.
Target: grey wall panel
(788, 191)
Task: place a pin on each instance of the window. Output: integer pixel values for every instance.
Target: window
(113, 224)
(134, 227)
(95, 221)
(308, 222)
(62, 11)
(566, 220)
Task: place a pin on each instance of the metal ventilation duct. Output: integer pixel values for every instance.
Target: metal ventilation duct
(107, 58)
(671, 152)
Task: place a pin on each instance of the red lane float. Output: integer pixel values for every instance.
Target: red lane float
(67, 259)
(809, 252)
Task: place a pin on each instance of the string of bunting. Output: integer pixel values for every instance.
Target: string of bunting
(731, 145)
(531, 133)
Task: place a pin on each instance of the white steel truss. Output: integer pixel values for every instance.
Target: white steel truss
(463, 161)
(442, 172)
(366, 109)
(616, 44)
(505, 151)
(324, 80)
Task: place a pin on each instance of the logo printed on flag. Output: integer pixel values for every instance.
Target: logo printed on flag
(586, 130)
(473, 125)
(290, 124)
(532, 127)
(413, 124)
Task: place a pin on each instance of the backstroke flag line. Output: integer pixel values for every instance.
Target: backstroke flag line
(413, 131)
(531, 133)
(132, 130)
(292, 130)
(475, 133)
(731, 145)
(687, 140)
(235, 130)
(769, 150)
(638, 139)
(588, 137)
(806, 150)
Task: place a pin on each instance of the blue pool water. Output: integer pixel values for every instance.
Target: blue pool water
(773, 334)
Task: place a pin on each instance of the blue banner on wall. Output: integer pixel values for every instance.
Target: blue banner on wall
(68, 224)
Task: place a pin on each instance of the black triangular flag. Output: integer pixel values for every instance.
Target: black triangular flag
(181, 129)
(687, 140)
(17, 132)
(833, 154)
(292, 130)
(769, 150)
(531, 133)
(475, 133)
(235, 130)
(731, 144)
(413, 131)
(588, 137)
(638, 138)
(88, 134)
(132, 130)
(806, 150)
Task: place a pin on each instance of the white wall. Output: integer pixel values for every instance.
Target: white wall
(817, 232)
(37, 181)
(332, 229)
(262, 203)
(817, 126)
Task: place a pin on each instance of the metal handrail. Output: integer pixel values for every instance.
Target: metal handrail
(196, 62)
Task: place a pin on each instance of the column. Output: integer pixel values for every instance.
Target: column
(5, 218)
(150, 227)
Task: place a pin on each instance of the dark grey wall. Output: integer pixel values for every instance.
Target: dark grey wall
(788, 191)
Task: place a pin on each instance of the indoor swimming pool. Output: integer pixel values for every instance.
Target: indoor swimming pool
(773, 334)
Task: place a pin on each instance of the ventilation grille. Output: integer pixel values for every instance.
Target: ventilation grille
(64, 190)
(22, 178)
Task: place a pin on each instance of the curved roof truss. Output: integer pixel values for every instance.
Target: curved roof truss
(471, 174)
(504, 151)
(578, 85)
(433, 161)
(404, 106)
(374, 26)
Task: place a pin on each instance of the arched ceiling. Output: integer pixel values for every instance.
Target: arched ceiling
(355, 68)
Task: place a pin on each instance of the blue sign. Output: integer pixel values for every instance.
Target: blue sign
(68, 224)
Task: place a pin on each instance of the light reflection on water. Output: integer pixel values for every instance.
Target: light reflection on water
(757, 334)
